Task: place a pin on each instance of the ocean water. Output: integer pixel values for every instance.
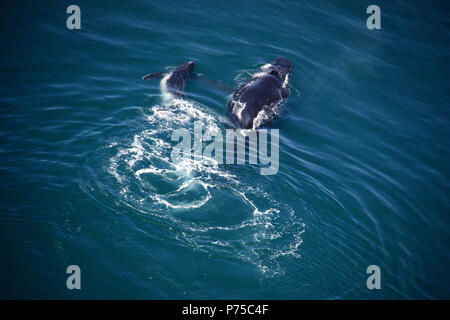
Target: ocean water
(86, 177)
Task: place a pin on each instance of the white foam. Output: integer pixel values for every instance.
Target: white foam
(166, 95)
(148, 153)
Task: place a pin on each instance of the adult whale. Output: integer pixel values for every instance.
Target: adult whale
(259, 98)
(175, 80)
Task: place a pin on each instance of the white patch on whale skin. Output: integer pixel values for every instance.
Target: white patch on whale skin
(263, 71)
(286, 81)
(238, 107)
(258, 75)
(267, 113)
(260, 118)
(266, 67)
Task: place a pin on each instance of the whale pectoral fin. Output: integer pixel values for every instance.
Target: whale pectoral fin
(217, 85)
(154, 75)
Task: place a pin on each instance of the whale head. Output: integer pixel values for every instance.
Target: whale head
(282, 66)
(175, 81)
(187, 68)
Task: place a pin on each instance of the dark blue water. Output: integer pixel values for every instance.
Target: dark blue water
(85, 176)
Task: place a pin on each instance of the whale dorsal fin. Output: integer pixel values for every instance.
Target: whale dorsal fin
(154, 75)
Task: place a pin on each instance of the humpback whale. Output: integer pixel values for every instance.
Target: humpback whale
(259, 98)
(175, 80)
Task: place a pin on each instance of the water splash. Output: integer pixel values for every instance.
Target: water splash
(258, 229)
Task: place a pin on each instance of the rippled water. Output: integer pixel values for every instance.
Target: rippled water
(87, 177)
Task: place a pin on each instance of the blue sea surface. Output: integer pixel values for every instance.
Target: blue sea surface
(86, 177)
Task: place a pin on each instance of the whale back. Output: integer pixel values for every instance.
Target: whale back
(177, 79)
(260, 97)
(174, 81)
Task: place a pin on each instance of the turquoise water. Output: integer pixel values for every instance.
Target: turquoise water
(364, 150)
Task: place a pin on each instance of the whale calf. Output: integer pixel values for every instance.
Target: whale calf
(256, 100)
(175, 80)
